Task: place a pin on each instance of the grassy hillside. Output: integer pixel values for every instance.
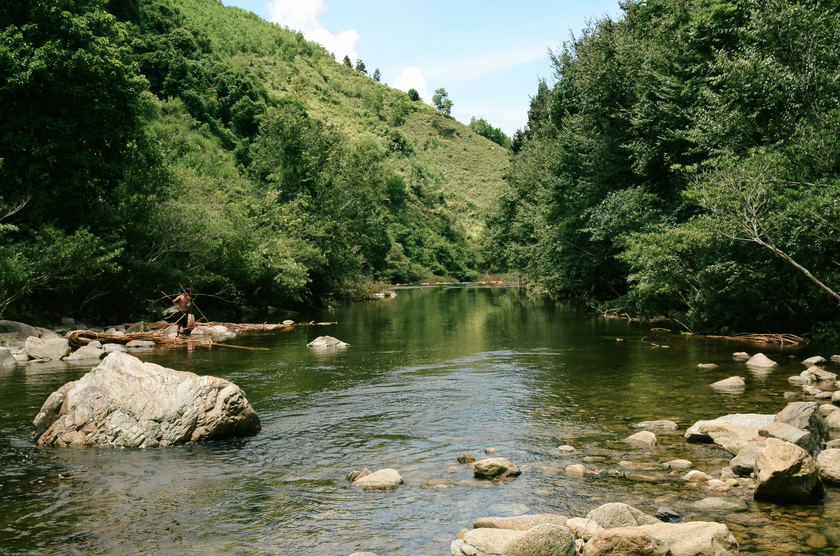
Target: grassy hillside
(246, 162)
(469, 167)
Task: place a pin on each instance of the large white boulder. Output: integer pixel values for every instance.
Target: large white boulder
(127, 403)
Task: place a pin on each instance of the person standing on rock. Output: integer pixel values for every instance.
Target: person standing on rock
(183, 303)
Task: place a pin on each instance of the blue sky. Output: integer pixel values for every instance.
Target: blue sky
(488, 55)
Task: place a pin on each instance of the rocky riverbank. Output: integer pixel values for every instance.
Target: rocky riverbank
(775, 460)
(24, 344)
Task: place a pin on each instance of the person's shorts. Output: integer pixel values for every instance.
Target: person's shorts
(181, 318)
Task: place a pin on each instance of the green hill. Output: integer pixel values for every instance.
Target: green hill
(154, 142)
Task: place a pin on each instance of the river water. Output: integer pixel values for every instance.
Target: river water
(429, 375)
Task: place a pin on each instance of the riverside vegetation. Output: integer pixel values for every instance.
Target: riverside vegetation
(151, 142)
(683, 162)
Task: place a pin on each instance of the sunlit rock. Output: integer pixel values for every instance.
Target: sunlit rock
(53, 349)
(619, 514)
(490, 468)
(384, 479)
(124, 402)
(829, 462)
(695, 538)
(743, 464)
(733, 383)
(786, 473)
(815, 360)
(326, 342)
(661, 424)
(6, 358)
(760, 360)
(519, 523)
(644, 439)
(546, 539)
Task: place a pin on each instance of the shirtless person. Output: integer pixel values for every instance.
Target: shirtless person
(183, 303)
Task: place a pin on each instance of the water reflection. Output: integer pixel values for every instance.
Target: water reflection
(428, 375)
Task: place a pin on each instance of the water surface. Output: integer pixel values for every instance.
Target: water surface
(429, 375)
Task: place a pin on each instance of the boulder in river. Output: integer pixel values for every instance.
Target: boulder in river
(815, 360)
(22, 330)
(696, 538)
(546, 539)
(619, 514)
(86, 353)
(644, 439)
(53, 349)
(760, 360)
(829, 462)
(786, 473)
(125, 402)
(326, 342)
(808, 417)
(384, 479)
(730, 384)
(660, 424)
(466, 457)
(490, 468)
(818, 374)
(519, 522)
(6, 358)
(789, 433)
(743, 464)
(731, 432)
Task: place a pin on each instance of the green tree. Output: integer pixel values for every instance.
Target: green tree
(481, 127)
(441, 101)
(347, 62)
(360, 67)
(377, 76)
(413, 95)
(71, 112)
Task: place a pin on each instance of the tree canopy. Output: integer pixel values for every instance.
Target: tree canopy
(147, 144)
(680, 165)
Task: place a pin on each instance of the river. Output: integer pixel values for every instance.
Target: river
(428, 375)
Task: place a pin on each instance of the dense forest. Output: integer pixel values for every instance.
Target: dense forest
(148, 145)
(683, 161)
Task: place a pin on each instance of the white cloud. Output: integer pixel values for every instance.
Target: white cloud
(469, 69)
(302, 15)
(413, 78)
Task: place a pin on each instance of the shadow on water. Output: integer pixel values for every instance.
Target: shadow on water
(428, 375)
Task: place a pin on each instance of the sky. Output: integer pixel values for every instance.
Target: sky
(489, 55)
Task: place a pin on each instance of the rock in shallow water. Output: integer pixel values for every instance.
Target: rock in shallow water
(490, 468)
(384, 479)
(644, 439)
(124, 402)
(786, 473)
(665, 539)
(326, 342)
